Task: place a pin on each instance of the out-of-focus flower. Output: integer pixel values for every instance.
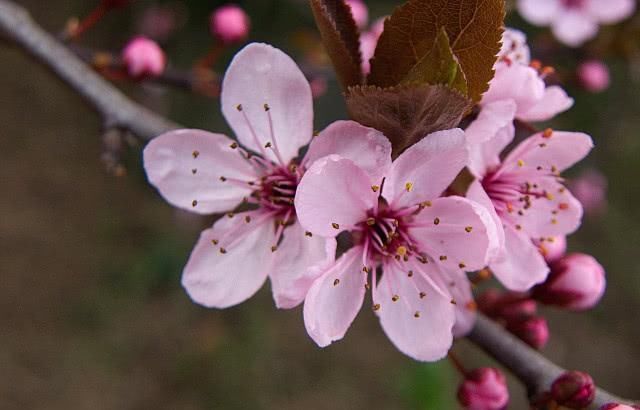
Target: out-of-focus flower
(267, 102)
(230, 24)
(369, 41)
(359, 11)
(552, 248)
(524, 192)
(534, 331)
(573, 389)
(318, 86)
(577, 282)
(159, 22)
(575, 21)
(617, 406)
(593, 75)
(591, 190)
(424, 243)
(143, 58)
(484, 389)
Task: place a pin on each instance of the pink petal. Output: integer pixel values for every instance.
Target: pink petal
(221, 280)
(260, 74)
(477, 194)
(516, 82)
(539, 12)
(334, 195)
(420, 327)
(426, 169)
(335, 298)
(299, 260)
(366, 147)
(554, 154)
(521, 266)
(457, 233)
(610, 11)
(573, 28)
(554, 101)
(489, 134)
(186, 166)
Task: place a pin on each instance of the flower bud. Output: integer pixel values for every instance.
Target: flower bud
(143, 58)
(484, 389)
(576, 282)
(616, 406)
(229, 23)
(359, 11)
(574, 390)
(534, 331)
(509, 306)
(552, 248)
(593, 75)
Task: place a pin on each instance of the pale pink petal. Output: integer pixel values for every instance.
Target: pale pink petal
(366, 147)
(539, 12)
(477, 194)
(260, 74)
(521, 266)
(489, 134)
(299, 260)
(573, 28)
(514, 47)
(186, 166)
(334, 195)
(419, 326)
(368, 43)
(426, 169)
(554, 101)
(335, 298)
(216, 279)
(610, 11)
(553, 154)
(456, 233)
(516, 82)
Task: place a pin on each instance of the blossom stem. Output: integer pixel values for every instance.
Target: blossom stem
(457, 364)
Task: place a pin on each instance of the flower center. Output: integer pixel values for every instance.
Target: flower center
(573, 4)
(277, 190)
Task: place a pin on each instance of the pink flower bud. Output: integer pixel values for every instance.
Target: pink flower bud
(590, 188)
(509, 306)
(484, 389)
(616, 406)
(594, 76)
(359, 11)
(574, 390)
(552, 248)
(143, 58)
(229, 23)
(534, 331)
(576, 282)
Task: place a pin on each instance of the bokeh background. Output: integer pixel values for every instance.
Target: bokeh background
(92, 314)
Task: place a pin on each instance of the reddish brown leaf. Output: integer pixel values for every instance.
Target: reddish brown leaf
(474, 28)
(341, 39)
(406, 114)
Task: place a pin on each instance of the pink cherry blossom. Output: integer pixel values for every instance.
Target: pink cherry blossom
(399, 222)
(594, 76)
(229, 23)
(484, 389)
(523, 192)
(514, 47)
(143, 57)
(267, 102)
(575, 21)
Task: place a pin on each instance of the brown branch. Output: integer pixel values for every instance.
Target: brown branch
(118, 111)
(115, 108)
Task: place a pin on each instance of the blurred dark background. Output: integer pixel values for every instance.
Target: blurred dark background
(92, 314)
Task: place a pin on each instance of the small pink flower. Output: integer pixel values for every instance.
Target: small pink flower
(143, 58)
(593, 75)
(590, 188)
(575, 21)
(577, 282)
(230, 24)
(524, 192)
(573, 389)
(267, 102)
(484, 389)
(553, 247)
(398, 221)
(359, 11)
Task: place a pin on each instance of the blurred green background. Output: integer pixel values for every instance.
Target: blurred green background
(92, 314)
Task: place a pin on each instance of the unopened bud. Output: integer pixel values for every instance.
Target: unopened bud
(359, 11)
(552, 248)
(534, 331)
(509, 306)
(593, 75)
(577, 282)
(143, 58)
(574, 390)
(484, 389)
(229, 23)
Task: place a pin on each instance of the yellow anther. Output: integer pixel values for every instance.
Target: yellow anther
(436, 221)
(443, 257)
(335, 225)
(462, 265)
(266, 107)
(195, 154)
(214, 241)
(223, 250)
(468, 229)
(194, 203)
(402, 251)
(417, 314)
(274, 248)
(309, 234)
(547, 133)
(376, 307)
(395, 298)
(422, 295)
(267, 145)
(375, 188)
(371, 221)
(408, 186)
(336, 282)
(239, 107)
(410, 273)
(233, 145)
(520, 163)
